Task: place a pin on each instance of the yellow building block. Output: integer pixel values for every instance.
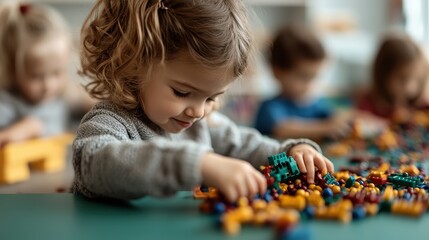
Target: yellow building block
(44, 154)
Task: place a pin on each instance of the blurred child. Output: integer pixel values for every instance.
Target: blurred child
(160, 69)
(35, 45)
(399, 77)
(296, 58)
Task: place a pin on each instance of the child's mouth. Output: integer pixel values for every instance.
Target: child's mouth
(183, 123)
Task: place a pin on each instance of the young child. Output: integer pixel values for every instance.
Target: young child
(399, 78)
(160, 66)
(296, 58)
(35, 44)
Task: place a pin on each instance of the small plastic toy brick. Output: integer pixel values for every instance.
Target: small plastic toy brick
(342, 175)
(377, 178)
(329, 179)
(286, 220)
(327, 193)
(387, 140)
(404, 180)
(340, 211)
(210, 193)
(388, 194)
(412, 170)
(335, 189)
(350, 182)
(295, 202)
(359, 212)
(315, 199)
(284, 167)
(338, 150)
(371, 209)
(44, 154)
(383, 167)
(404, 207)
(232, 220)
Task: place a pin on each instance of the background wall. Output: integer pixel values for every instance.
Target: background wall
(349, 29)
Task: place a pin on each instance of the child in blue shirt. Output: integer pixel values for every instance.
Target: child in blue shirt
(296, 58)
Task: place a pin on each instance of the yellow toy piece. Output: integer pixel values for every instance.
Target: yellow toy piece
(387, 140)
(44, 154)
(413, 209)
(338, 150)
(341, 211)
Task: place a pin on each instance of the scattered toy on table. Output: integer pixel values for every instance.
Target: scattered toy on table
(380, 186)
(43, 154)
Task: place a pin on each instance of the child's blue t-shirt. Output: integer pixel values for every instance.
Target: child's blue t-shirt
(273, 111)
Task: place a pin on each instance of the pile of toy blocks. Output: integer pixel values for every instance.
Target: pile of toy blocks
(343, 196)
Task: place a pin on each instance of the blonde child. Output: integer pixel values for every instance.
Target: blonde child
(35, 46)
(35, 52)
(159, 66)
(399, 79)
(296, 57)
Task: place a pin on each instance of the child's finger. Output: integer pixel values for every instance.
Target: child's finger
(309, 164)
(230, 194)
(252, 186)
(261, 182)
(320, 163)
(329, 165)
(300, 162)
(242, 188)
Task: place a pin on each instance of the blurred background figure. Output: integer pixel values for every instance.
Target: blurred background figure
(297, 57)
(35, 47)
(399, 79)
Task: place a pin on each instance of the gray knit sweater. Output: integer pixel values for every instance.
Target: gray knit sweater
(123, 155)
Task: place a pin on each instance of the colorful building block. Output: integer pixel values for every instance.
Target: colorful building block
(284, 167)
(44, 154)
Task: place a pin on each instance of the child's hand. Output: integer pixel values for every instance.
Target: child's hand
(232, 177)
(4, 139)
(337, 127)
(307, 158)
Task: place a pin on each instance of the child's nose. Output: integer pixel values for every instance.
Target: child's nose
(195, 111)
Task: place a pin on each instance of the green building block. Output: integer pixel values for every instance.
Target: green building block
(350, 182)
(404, 180)
(329, 179)
(284, 167)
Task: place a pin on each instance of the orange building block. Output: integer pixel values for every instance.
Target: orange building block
(44, 154)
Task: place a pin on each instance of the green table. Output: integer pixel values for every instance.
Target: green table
(65, 216)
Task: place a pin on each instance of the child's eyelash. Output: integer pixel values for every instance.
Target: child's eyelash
(179, 94)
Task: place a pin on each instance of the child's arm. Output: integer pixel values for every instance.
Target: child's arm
(239, 143)
(26, 128)
(313, 129)
(111, 160)
(12, 126)
(248, 144)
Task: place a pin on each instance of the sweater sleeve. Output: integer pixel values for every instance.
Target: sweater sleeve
(109, 164)
(247, 143)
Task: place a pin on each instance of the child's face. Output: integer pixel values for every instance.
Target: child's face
(45, 72)
(296, 83)
(182, 92)
(405, 82)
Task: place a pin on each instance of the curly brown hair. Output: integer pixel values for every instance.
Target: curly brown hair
(122, 38)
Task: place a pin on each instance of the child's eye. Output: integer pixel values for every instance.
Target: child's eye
(179, 94)
(211, 99)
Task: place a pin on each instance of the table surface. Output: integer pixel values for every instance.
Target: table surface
(67, 216)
